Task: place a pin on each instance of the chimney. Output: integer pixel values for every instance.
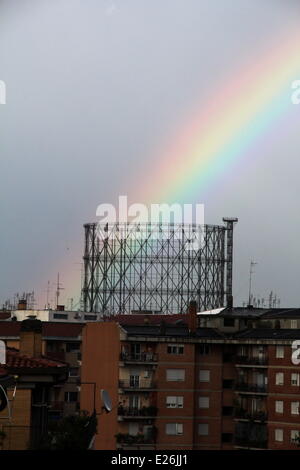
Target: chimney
(31, 337)
(22, 304)
(192, 316)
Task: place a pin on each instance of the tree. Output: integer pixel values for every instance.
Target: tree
(71, 433)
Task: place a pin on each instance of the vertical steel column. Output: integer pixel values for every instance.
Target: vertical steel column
(230, 221)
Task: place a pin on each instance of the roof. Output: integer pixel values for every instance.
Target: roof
(49, 329)
(268, 333)
(182, 331)
(147, 319)
(16, 360)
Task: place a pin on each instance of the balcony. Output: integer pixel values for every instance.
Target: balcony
(143, 357)
(241, 413)
(146, 412)
(242, 442)
(251, 388)
(141, 385)
(251, 361)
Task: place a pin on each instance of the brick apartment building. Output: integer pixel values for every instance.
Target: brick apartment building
(189, 381)
(230, 384)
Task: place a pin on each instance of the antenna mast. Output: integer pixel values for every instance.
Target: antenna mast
(252, 263)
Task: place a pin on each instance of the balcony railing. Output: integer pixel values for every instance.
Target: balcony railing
(251, 415)
(243, 442)
(248, 387)
(145, 411)
(140, 385)
(257, 360)
(139, 357)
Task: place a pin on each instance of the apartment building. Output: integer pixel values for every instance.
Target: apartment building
(223, 380)
(180, 386)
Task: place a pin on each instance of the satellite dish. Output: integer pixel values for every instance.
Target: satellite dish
(106, 401)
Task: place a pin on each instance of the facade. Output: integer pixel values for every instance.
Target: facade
(29, 380)
(224, 380)
(179, 386)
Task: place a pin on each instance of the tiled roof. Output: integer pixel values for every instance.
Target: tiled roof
(16, 360)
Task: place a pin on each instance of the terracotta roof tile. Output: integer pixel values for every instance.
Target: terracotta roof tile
(15, 360)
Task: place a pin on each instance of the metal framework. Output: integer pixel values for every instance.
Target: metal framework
(156, 267)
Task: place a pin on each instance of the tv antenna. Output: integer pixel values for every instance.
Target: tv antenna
(58, 289)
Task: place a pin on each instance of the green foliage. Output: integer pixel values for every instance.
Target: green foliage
(71, 433)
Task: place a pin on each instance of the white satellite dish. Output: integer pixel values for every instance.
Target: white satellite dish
(106, 400)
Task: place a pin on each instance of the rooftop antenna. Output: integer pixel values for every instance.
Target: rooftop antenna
(47, 298)
(252, 263)
(58, 289)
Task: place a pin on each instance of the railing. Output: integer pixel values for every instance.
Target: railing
(261, 444)
(248, 387)
(251, 415)
(141, 384)
(137, 412)
(258, 361)
(139, 357)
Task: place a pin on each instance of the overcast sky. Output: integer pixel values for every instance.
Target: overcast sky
(95, 88)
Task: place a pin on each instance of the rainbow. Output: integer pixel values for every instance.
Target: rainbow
(247, 105)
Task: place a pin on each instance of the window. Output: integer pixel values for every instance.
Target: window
(204, 375)
(74, 372)
(228, 384)
(279, 406)
(174, 402)
(279, 378)
(227, 410)
(175, 375)
(175, 349)
(227, 437)
(279, 435)
(294, 324)
(71, 397)
(295, 436)
(174, 429)
(90, 317)
(295, 408)
(295, 379)
(228, 322)
(203, 402)
(204, 349)
(60, 316)
(203, 429)
(279, 352)
(70, 347)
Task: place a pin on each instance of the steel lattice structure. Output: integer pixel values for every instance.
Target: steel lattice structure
(151, 267)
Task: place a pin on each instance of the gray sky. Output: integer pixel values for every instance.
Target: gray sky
(95, 89)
